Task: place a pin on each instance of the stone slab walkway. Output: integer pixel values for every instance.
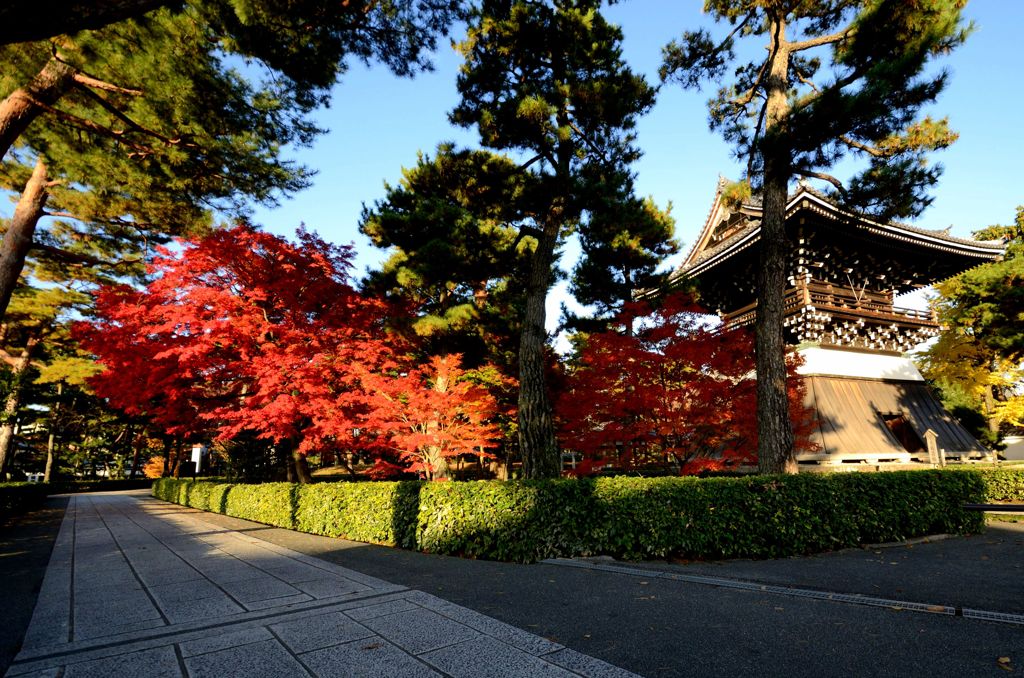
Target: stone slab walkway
(139, 587)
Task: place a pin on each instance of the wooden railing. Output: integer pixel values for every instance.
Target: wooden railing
(869, 304)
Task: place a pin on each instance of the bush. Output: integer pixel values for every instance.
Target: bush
(17, 498)
(635, 518)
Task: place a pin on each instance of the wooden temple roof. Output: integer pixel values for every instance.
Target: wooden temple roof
(730, 230)
(850, 417)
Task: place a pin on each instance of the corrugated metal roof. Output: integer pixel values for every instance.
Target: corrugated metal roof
(850, 416)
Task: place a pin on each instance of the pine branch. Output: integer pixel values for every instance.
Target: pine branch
(824, 177)
(91, 126)
(116, 112)
(822, 40)
(80, 259)
(88, 81)
(870, 150)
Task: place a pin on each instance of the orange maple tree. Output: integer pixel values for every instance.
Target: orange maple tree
(430, 415)
(665, 386)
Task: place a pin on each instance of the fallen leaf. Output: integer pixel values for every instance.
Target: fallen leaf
(372, 646)
(936, 608)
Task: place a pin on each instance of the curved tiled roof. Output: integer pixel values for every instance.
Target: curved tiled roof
(749, 232)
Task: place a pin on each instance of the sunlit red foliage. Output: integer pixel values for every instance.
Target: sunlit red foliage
(243, 331)
(664, 387)
(430, 415)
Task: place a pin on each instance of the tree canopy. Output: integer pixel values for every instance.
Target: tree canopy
(546, 81)
(838, 78)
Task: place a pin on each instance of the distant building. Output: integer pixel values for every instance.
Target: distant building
(844, 274)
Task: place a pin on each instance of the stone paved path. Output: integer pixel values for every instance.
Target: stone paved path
(139, 587)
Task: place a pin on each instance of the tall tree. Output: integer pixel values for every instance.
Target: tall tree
(976, 362)
(627, 238)
(136, 129)
(243, 333)
(546, 80)
(458, 256)
(838, 77)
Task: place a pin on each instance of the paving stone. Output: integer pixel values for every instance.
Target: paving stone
(485, 657)
(46, 629)
(367, 658)
(295, 572)
(264, 659)
(159, 662)
(100, 629)
(261, 588)
(223, 639)
(203, 608)
(43, 673)
(178, 592)
(380, 609)
(169, 575)
(585, 665)
(283, 601)
(313, 633)
(328, 587)
(420, 630)
(506, 633)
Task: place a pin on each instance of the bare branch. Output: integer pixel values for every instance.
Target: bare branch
(91, 126)
(822, 40)
(867, 148)
(113, 110)
(824, 177)
(89, 81)
(526, 165)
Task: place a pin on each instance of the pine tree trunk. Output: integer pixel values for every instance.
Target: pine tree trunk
(51, 440)
(774, 426)
(25, 104)
(18, 238)
(13, 402)
(537, 441)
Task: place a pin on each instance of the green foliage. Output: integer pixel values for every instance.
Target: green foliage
(976, 362)
(635, 518)
(378, 513)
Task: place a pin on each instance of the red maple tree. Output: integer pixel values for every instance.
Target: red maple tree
(243, 331)
(431, 414)
(665, 387)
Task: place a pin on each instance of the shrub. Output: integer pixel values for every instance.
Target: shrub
(635, 518)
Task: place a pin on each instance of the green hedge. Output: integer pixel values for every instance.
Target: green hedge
(17, 498)
(633, 518)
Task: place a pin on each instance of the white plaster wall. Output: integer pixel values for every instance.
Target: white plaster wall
(837, 363)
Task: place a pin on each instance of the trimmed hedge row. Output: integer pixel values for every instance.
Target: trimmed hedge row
(17, 498)
(632, 518)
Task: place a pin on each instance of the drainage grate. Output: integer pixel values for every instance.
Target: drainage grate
(988, 615)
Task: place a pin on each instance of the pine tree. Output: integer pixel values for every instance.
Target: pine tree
(546, 80)
(458, 256)
(626, 239)
(138, 128)
(839, 77)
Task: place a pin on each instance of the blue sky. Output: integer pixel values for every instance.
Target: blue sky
(379, 122)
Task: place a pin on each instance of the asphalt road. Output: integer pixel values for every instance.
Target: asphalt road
(25, 545)
(660, 627)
